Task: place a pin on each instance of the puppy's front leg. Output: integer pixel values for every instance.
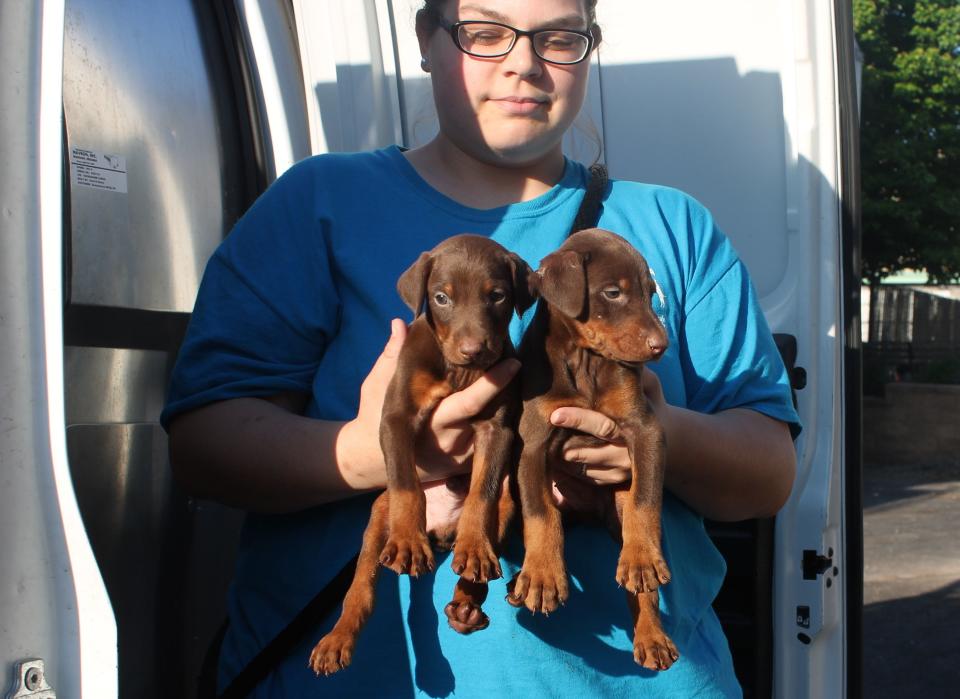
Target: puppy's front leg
(641, 567)
(541, 585)
(474, 557)
(407, 549)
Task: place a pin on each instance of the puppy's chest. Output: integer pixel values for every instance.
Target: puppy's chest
(429, 388)
(457, 378)
(605, 386)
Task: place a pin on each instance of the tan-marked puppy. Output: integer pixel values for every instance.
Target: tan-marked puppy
(593, 332)
(464, 293)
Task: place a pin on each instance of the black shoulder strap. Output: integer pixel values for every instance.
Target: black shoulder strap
(307, 620)
(589, 212)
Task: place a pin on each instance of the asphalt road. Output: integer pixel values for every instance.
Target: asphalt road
(911, 582)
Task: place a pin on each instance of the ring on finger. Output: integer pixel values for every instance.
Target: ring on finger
(583, 469)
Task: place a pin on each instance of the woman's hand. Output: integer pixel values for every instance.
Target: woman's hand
(607, 463)
(731, 465)
(445, 447)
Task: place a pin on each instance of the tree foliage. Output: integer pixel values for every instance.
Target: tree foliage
(910, 136)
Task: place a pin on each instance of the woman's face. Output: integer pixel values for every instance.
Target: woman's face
(514, 109)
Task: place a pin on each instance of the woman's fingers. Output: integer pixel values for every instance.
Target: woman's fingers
(374, 386)
(589, 421)
(604, 464)
(599, 465)
(602, 455)
(447, 446)
(465, 404)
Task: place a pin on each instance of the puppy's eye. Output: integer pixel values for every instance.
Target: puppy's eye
(441, 299)
(498, 296)
(612, 293)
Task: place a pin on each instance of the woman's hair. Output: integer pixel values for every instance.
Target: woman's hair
(427, 16)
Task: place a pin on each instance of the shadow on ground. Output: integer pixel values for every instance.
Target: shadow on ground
(912, 582)
(912, 646)
(888, 485)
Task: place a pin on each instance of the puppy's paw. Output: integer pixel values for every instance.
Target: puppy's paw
(642, 569)
(539, 588)
(408, 555)
(334, 652)
(655, 651)
(466, 617)
(475, 560)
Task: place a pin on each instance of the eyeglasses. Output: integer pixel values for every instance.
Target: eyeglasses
(485, 39)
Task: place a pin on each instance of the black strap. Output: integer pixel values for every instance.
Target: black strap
(307, 620)
(589, 212)
(332, 594)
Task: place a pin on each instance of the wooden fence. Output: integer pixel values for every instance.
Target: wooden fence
(909, 330)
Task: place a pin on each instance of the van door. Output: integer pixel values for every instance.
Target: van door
(57, 627)
(751, 109)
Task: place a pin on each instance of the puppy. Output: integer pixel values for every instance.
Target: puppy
(586, 347)
(463, 294)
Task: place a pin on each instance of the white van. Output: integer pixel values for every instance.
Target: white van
(135, 132)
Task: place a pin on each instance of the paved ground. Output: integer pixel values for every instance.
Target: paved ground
(911, 582)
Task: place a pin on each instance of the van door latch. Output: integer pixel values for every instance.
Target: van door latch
(29, 681)
(815, 564)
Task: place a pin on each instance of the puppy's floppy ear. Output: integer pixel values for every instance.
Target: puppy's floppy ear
(563, 281)
(524, 284)
(412, 285)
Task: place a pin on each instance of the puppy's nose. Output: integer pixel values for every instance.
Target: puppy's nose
(470, 349)
(657, 346)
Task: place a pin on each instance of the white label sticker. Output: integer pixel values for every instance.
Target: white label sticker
(98, 170)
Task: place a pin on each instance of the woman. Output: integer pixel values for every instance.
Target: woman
(274, 406)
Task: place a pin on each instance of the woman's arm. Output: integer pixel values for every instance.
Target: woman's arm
(260, 454)
(733, 465)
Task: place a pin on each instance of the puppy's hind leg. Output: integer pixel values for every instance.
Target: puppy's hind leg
(464, 612)
(335, 650)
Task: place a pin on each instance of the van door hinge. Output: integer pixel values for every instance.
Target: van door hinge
(815, 563)
(30, 682)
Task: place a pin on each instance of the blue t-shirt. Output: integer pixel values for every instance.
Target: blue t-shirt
(299, 297)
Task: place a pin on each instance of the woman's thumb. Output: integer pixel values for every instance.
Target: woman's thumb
(386, 363)
(398, 333)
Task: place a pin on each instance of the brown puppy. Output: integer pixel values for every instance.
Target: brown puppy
(464, 293)
(586, 347)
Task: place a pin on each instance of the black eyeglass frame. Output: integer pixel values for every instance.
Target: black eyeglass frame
(453, 28)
